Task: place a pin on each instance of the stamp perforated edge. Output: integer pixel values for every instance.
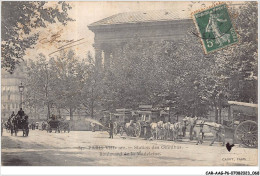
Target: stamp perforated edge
(197, 27)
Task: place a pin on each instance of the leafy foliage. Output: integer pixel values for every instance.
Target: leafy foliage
(176, 74)
(19, 19)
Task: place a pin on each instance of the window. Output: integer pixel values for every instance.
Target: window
(9, 97)
(8, 107)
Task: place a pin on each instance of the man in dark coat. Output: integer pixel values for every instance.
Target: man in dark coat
(111, 127)
(21, 112)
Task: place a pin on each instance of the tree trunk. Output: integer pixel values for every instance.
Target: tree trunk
(71, 114)
(48, 111)
(35, 112)
(219, 115)
(92, 109)
(216, 114)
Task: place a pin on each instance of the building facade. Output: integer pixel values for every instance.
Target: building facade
(115, 31)
(10, 95)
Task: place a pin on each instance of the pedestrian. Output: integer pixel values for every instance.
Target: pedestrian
(93, 125)
(53, 117)
(111, 127)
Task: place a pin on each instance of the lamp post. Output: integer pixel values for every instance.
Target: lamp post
(21, 89)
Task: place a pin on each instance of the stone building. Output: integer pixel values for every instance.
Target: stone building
(10, 95)
(113, 32)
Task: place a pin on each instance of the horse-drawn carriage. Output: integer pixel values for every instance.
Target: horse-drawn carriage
(121, 118)
(64, 126)
(19, 123)
(145, 116)
(243, 120)
(136, 123)
(58, 125)
(53, 125)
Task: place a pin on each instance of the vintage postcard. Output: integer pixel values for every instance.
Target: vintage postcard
(129, 83)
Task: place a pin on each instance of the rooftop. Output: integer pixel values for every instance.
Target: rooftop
(143, 16)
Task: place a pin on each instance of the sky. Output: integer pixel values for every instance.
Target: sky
(86, 13)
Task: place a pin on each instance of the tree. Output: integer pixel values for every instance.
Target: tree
(93, 87)
(39, 84)
(138, 76)
(238, 64)
(19, 19)
(60, 82)
(69, 76)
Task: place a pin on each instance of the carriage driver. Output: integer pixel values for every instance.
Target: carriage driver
(21, 112)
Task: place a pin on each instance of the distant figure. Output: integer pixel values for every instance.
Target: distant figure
(111, 127)
(93, 125)
(33, 125)
(53, 117)
(184, 130)
(101, 121)
(43, 126)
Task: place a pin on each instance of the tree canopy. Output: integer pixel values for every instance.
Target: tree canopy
(19, 19)
(168, 73)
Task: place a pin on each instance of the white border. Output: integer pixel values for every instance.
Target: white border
(100, 170)
(26, 171)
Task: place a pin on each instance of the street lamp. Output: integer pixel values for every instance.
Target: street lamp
(21, 89)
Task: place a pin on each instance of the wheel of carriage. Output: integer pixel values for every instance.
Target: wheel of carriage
(138, 129)
(115, 129)
(246, 133)
(121, 131)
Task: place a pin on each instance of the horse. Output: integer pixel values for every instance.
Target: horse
(7, 126)
(175, 129)
(166, 130)
(200, 126)
(160, 131)
(19, 122)
(156, 129)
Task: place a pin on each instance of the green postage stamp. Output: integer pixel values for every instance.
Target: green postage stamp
(215, 28)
